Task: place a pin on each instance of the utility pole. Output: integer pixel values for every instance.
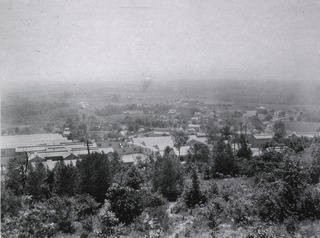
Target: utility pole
(88, 148)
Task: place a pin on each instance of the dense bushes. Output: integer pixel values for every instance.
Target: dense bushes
(287, 195)
(44, 219)
(278, 192)
(125, 202)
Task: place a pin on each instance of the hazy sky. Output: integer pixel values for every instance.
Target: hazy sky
(174, 39)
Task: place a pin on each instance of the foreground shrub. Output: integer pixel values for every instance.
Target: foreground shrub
(153, 222)
(242, 211)
(65, 213)
(271, 202)
(36, 221)
(150, 199)
(267, 230)
(309, 205)
(216, 212)
(125, 202)
(107, 219)
(86, 206)
(10, 203)
(279, 198)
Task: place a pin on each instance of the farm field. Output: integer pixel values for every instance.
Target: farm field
(302, 126)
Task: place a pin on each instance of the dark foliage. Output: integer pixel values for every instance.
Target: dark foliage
(66, 179)
(125, 203)
(95, 176)
(133, 178)
(194, 196)
(244, 150)
(224, 160)
(36, 185)
(287, 195)
(168, 177)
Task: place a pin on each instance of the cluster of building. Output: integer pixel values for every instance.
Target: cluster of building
(47, 148)
(141, 145)
(50, 148)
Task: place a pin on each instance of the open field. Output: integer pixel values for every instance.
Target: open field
(301, 126)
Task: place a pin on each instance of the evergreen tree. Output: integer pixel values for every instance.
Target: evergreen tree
(194, 196)
(95, 176)
(168, 177)
(224, 162)
(36, 185)
(65, 179)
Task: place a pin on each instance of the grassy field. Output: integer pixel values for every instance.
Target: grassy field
(301, 126)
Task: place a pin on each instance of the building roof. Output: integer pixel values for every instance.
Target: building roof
(249, 114)
(263, 136)
(183, 151)
(161, 141)
(199, 139)
(52, 163)
(133, 158)
(306, 134)
(106, 150)
(14, 141)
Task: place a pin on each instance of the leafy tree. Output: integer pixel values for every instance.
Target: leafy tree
(95, 176)
(298, 144)
(220, 146)
(133, 178)
(180, 138)
(64, 211)
(225, 132)
(315, 166)
(268, 117)
(200, 154)
(125, 202)
(86, 206)
(168, 177)
(212, 134)
(11, 204)
(257, 124)
(108, 220)
(244, 151)
(279, 197)
(16, 175)
(279, 131)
